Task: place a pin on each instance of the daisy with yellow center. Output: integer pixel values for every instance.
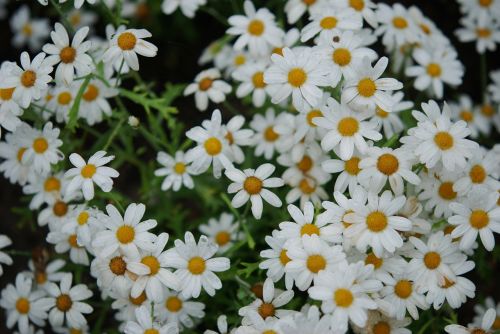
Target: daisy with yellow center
(484, 31)
(195, 265)
(343, 293)
(144, 323)
(85, 174)
(208, 86)
(252, 184)
(478, 173)
(275, 259)
(309, 256)
(251, 76)
(176, 171)
(330, 21)
(396, 25)
(237, 136)
(365, 90)
(222, 231)
(479, 214)
(127, 233)
(375, 223)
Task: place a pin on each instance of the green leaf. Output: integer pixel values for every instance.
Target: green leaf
(73, 112)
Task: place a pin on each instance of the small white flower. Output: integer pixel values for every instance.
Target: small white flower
(187, 7)
(251, 77)
(4, 258)
(126, 44)
(208, 86)
(195, 265)
(45, 189)
(28, 31)
(276, 259)
(65, 240)
(71, 57)
(485, 327)
(176, 170)
(179, 310)
(223, 231)
(145, 324)
(85, 174)
(485, 32)
(396, 26)
(251, 184)
(236, 137)
(94, 103)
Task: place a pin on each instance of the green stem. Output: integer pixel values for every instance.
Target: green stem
(114, 133)
(63, 17)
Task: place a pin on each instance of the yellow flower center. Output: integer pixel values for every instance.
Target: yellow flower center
(139, 300)
(374, 260)
(312, 115)
(485, 3)
(309, 229)
(306, 187)
(483, 32)
(443, 140)
(258, 80)
(315, 263)
(67, 55)
(52, 184)
(28, 78)
(213, 146)
(487, 110)
(73, 241)
(399, 22)
(376, 221)
(153, 264)
(6, 93)
(20, 153)
(256, 27)
(64, 98)
(297, 77)
(23, 305)
(381, 327)
(40, 277)
(348, 126)
(278, 51)
(266, 310)
(305, 164)
(82, 218)
(40, 145)
(125, 234)
(425, 28)
(477, 174)
(151, 331)
(127, 41)
(284, 259)
(403, 289)
(64, 303)
(381, 112)
(196, 265)
(351, 166)
(270, 135)
(467, 116)
(173, 304)
(432, 260)
(60, 209)
(358, 5)
(446, 191)
(88, 171)
(118, 266)
(434, 70)
(222, 238)
(479, 219)
(342, 56)
(447, 283)
(27, 29)
(179, 168)
(239, 60)
(309, 2)
(496, 323)
(205, 84)
(387, 164)
(343, 297)
(91, 93)
(328, 22)
(366, 87)
(252, 185)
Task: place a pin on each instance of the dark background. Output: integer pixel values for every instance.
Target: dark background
(180, 41)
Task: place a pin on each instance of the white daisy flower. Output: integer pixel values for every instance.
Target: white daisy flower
(487, 115)
(28, 31)
(195, 265)
(365, 90)
(66, 240)
(478, 173)
(259, 325)
(12, 153)
(176, 169)
(396, 26)
(306, 189)
(42, 276)
(308, 320)
(309, 165)
(45, 189)
(251, 76)
(348, 169)
(67, 303)
(494, 86)
(485, 32)
(382, 164)
(57, 214)
(380, 323)
(208, 86)
(84, 224)
(266, 139)
(401, 291)
(305, 223)
(126, 233)
(151, 272)
(479, 214)
(350, 299)
(256, 29)
(434, 68)
(296, 73)
(375, 223)
(309, 256)
(22, 305)
(464, 110)
(179, 310)
(276, 259)
(289, 40)
(223, 231)
(61, 101)
(126, 44)
(94, 104)
(187, 7)
(71, 57)
(329, 20)
(269, 305)
(342, 54)
(430, 262)
(436, 190)
(439, 140)
(9, 108)
(346, 129)
(236, 137)
(251, 184)
(111, 274)
(481, 309)
(485, 327)
(84, 174)
(145, 324)
(212, 148)
(390, 122)
(30, 80)
(366, 8)
(4, 258)
(42, 148)
(295, 9)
